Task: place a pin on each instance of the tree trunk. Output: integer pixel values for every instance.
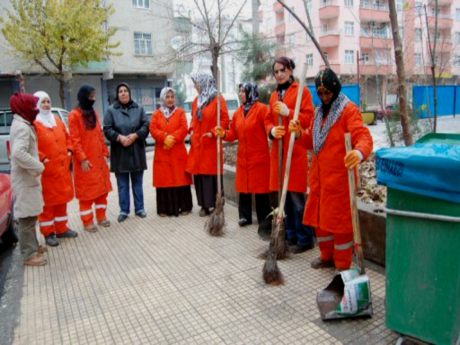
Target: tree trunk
(402, 89)
(214, 67)
(62, 91)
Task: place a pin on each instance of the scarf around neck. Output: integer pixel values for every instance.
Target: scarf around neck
(320, 132)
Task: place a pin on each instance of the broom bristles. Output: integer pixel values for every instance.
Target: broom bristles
(280, 248)
(271, 272)
(216, 222)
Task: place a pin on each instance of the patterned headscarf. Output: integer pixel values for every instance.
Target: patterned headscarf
(168, 112)
(252, 95)
(45, 117)
(321, 131)
(207, 84)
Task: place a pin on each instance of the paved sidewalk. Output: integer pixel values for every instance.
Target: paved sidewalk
(165, 281)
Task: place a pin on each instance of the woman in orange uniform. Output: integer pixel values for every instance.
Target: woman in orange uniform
(92, 179)
(328, 205)
(202, 160)
(55, 151)
(282, 103)
(253, 163)
(169, 129)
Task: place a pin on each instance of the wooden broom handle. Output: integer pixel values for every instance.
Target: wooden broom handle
(354, 209)
(291, 143)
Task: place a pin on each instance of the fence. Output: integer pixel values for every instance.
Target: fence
(352, 91)
(448, 100)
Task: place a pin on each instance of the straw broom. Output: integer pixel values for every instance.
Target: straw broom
(216, 222)
(271, 273)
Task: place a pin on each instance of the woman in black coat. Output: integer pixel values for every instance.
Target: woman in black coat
(126, 127)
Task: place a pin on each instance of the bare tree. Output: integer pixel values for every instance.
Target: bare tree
(215, 24)
(432, 49)
(401, 72)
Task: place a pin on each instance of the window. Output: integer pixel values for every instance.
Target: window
(324, 28)
(457, 38)
(399, 5)
(365, 58)
(457, 14)
(418, 35)
(457, 61)
(349, 29)
(142, 43)
(141, 4)
(309, 6)
(348, 3)
(418, 59)
(382, 57)
(310, 59)
(419, 7)
(349, 57)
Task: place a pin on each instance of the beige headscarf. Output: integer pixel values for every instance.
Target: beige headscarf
(45, 117)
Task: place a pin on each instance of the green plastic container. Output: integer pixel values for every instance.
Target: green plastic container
(423, 264)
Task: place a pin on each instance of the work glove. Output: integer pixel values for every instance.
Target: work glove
(169, 142)
(294, 127)
(352, 159)
(278, 132)
(220, 132)
(281, 108)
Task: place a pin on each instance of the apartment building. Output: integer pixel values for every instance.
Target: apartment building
(356, 37)
(147, 60)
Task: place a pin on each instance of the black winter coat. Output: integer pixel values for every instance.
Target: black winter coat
(124, 121)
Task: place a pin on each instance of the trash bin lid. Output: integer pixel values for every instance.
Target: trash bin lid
(440, 138)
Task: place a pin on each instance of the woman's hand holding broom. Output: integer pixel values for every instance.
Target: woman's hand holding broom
(220, 132)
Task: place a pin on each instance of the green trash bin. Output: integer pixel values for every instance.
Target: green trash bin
(423, 263)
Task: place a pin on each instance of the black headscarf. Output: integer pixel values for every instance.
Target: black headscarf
(252, 95)
(86, 105)
(327, 79)
(126, 105)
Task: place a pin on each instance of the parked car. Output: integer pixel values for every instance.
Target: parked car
(8, 236)
(6, 118)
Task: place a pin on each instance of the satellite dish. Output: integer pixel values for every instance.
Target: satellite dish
(177, 42)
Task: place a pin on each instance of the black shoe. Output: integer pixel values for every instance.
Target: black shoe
(296, 249)
(51, 240)
(141, 214)
(68, 234)
(244, 222)
(204, 212)
(121, 218)
(265, 229)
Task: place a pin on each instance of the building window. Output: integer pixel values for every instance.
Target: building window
(365, 58)
(325, 28)
(142, 43)
(349, 29)
(141, 4)
(399, 5)
(418, 60)
(457, 38)
(419, 7)
(418, 35)
(457, 14)
(457, 61)
(382, 57)
(349, 57)
(309, 6)
(310, 59)
(348, 3)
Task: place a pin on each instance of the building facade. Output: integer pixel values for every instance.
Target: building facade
(146, 61)
(356, 37)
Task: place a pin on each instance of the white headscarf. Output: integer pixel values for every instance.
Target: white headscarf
(45, 117)
(168, 112)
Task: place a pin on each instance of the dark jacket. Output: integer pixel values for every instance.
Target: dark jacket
(124, 121)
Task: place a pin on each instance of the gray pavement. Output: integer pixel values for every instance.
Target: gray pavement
(165, 281)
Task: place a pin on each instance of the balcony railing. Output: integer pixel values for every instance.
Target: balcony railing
(375, 33)
(375, 6)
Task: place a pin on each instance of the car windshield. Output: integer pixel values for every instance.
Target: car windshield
(232, 104)
(188, 107)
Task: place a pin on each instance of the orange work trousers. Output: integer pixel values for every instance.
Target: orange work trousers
(86, 210)
(53, 219)
(337, 247)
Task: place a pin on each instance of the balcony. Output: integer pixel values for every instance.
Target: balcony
(444, 21)
(372, 69)
(375, 42)
(443, 46)
(329, 9)
(374, 13)
(329, 39)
